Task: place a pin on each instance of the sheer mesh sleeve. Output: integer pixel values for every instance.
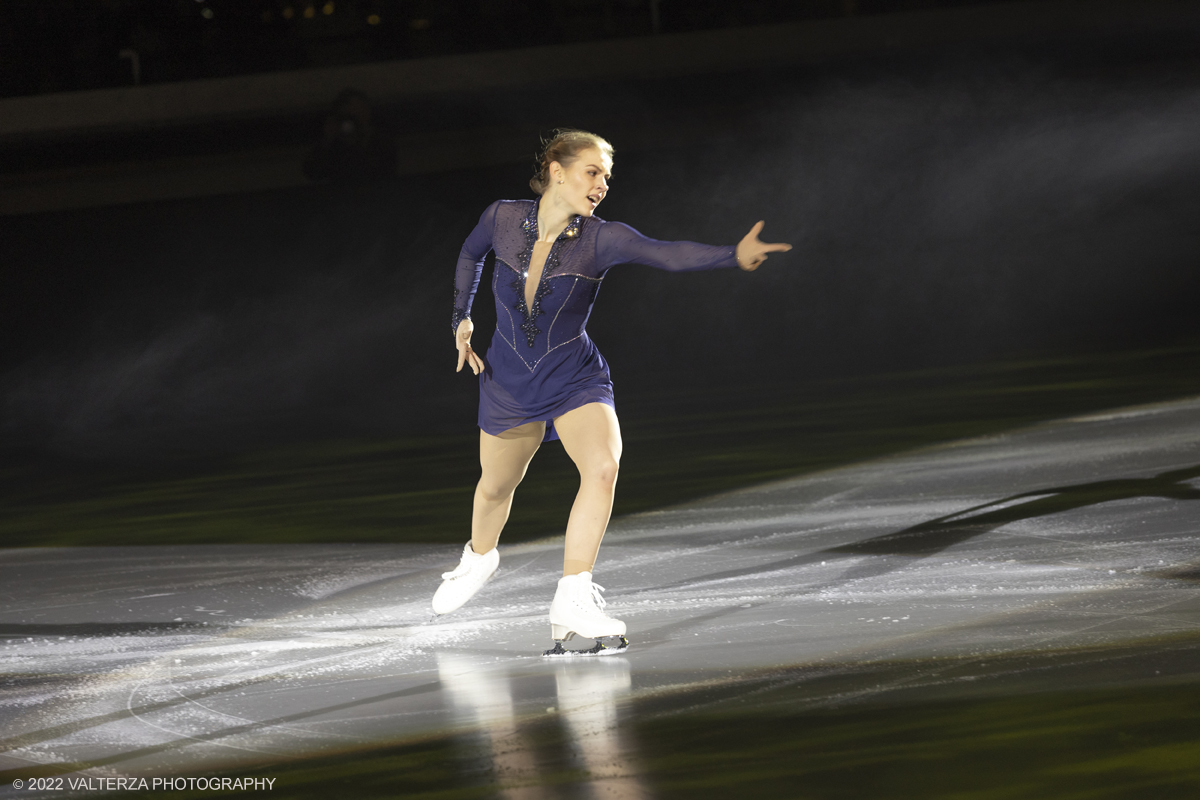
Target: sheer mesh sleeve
(617, 243)
(470, 265)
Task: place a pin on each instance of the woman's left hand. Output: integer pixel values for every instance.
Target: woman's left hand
(752, 251)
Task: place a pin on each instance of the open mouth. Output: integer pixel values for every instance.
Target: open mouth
(594, 199)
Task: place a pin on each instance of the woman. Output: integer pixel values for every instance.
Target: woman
(543, 378)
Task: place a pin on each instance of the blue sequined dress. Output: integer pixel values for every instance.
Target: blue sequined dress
(541, 363)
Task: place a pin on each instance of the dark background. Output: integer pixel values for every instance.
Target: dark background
(954, 205)
(64, 45)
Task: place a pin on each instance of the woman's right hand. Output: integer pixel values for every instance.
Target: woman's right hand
(462, 340)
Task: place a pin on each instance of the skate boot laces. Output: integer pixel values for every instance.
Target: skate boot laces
(463, 567)
(460, 570)
(597, 597)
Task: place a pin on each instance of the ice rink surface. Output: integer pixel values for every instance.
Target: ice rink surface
(1078, 534)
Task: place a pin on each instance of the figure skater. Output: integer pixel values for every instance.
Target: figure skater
(543, 378)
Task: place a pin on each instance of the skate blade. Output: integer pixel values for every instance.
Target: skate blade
(617, 646)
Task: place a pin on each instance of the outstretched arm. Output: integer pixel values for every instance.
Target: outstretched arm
(618, 244)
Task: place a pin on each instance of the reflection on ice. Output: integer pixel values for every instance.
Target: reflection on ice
(587, 692)
(482, 699)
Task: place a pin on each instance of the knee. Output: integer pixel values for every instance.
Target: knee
(494, 491)
(602, 471)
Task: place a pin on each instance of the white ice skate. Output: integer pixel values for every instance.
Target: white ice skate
(460, 584)
(578, 609)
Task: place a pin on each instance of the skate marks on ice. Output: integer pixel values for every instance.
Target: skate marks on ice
(356, 667)
(149, 661)
(926, 539)
(214, 684)
(1058, 535)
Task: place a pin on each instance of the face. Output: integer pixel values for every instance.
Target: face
(584, 181)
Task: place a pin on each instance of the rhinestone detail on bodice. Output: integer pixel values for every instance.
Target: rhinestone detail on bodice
(553, 260)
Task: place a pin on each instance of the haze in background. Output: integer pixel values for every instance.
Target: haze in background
(950, 209)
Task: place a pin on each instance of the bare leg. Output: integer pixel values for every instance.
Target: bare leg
(591, 436)
(503, 460)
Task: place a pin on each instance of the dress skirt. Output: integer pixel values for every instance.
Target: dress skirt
(512, 392)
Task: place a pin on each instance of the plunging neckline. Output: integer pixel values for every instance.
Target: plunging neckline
(531, 292)
(533, 278)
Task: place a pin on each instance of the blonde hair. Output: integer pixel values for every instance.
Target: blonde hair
(564, 146)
